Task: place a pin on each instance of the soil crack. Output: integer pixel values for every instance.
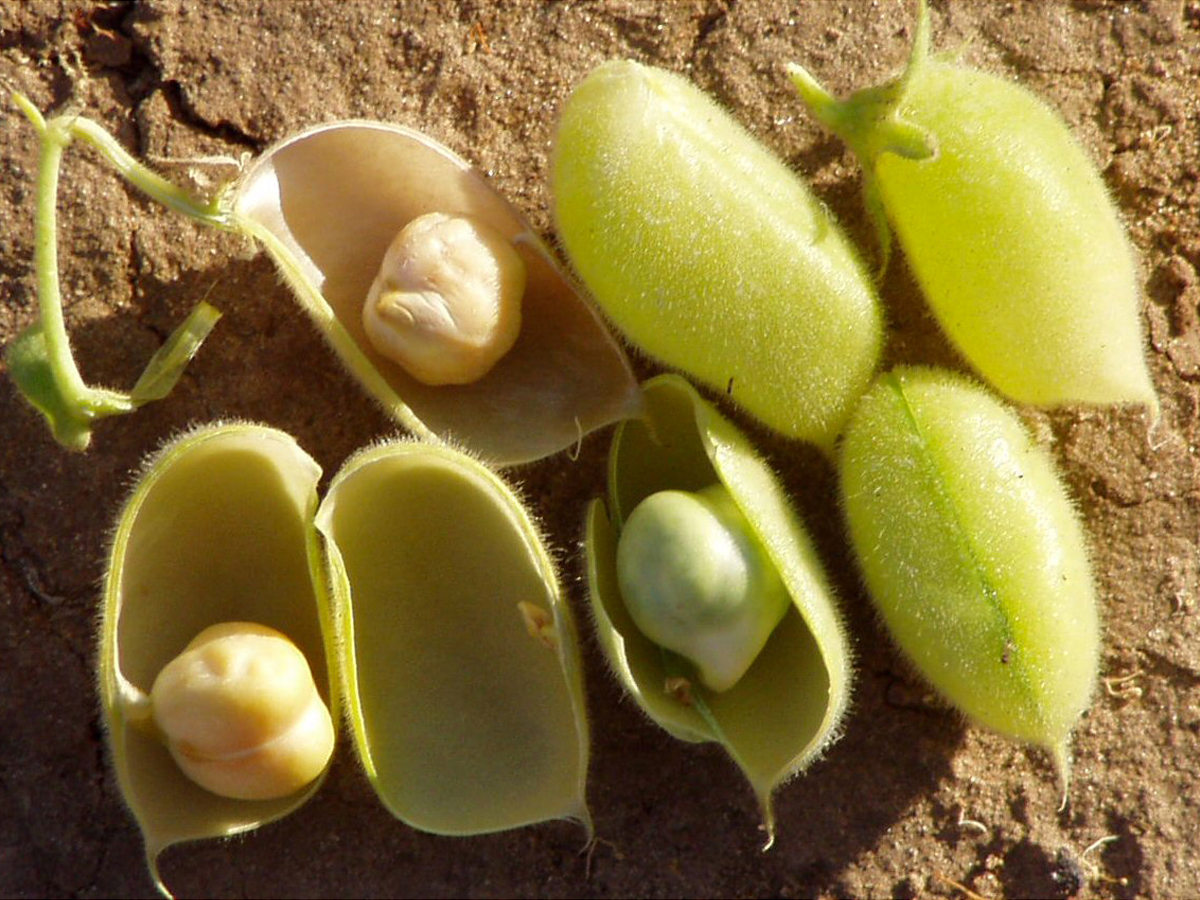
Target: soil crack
(143, 74)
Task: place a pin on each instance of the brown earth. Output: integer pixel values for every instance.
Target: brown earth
(912, 799)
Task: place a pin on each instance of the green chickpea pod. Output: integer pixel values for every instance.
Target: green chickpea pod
(708, 598)
(697, 582)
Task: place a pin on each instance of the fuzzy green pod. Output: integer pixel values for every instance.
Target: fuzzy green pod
(218, 530)
(784, 710)
(973, 554)
(709, 253)
(1006, 224)
(461, 670)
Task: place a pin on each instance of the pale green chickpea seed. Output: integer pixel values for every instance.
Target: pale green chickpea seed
(696, 581)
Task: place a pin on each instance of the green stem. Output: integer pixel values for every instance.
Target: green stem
(869, 122)
(40, 360)
(45, 263)
(144, 179)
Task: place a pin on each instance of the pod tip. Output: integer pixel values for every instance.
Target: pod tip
(767, 806)
(1060, 755)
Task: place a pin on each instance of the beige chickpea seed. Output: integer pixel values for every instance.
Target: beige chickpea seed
(241, 715)
(446, 304)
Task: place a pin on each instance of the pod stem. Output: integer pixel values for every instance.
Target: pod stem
(39, 359)
(869, 123)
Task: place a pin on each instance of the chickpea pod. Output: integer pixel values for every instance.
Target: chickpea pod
(773, 663)
(709, 253)
(241, 714)
(237, 729)
(460, 678)
(1006, 224)
(434, 291)
(463, 681)
(973, 554)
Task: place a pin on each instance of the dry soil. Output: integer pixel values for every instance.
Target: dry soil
(912, 800)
